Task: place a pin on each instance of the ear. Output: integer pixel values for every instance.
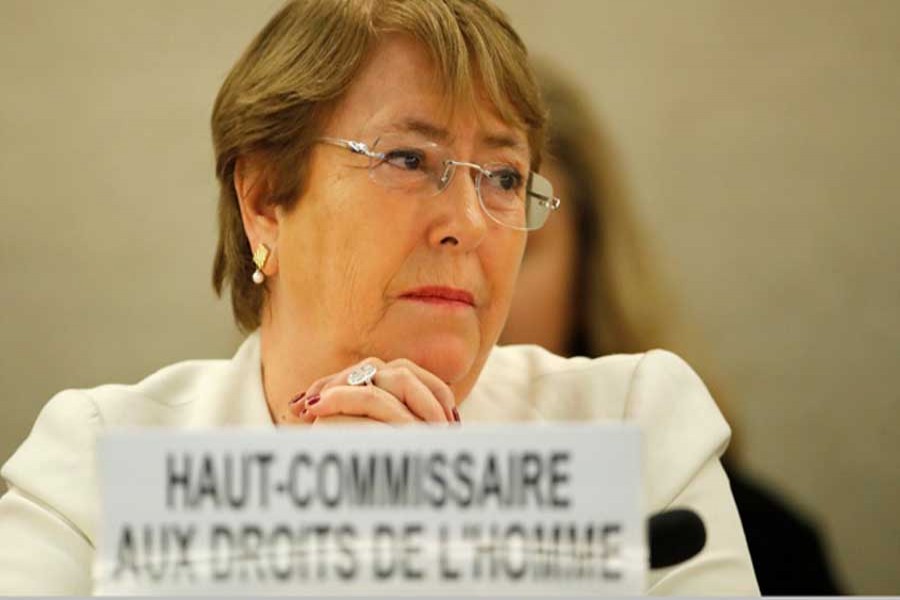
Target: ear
(253, 187)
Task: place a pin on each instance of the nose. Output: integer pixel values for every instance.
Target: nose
(460, 220)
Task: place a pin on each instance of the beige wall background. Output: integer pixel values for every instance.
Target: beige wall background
(760, 138)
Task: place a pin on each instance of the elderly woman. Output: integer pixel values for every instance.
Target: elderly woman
(378, 168)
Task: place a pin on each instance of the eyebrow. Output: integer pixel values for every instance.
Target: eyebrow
(429, 130)
(439, 134)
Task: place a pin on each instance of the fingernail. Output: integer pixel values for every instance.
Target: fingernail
(312, 399)
(456, 415)
(296, 404)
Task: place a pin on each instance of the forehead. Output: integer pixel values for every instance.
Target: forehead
(398, 89)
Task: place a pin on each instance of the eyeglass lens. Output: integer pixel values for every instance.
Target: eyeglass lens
(509, 194)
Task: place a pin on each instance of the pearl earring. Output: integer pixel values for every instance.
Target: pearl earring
(259, 259)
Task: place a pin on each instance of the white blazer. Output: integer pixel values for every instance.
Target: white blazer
(49, 517)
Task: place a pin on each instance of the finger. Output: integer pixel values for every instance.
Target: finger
(298, 405)
(297, 408)
(318, 384)
(361, 401)
(441, 390)
(403, 384)
(340, 378)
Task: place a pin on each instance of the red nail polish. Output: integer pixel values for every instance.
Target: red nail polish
(312, 399)
(297, 399)
(456, 415)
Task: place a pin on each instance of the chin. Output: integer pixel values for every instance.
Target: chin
(449, 357)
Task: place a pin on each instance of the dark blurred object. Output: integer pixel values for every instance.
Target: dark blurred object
(788, 557)
(676, 535)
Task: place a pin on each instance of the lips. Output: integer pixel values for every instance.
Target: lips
(440, 294)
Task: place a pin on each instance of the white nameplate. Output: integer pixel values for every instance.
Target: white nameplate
(495, 510)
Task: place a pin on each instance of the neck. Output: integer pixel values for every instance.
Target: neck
(290, 365)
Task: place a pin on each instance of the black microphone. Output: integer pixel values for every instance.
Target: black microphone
(675, 536)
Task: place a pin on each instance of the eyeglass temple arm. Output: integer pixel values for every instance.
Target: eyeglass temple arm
(550, 202)
(352, 146)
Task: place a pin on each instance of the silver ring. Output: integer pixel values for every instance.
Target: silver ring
(362, 375)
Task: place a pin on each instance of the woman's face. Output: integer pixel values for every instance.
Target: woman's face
(364, 270)
(543, 304)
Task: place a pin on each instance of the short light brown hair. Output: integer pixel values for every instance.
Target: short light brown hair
(297, 69)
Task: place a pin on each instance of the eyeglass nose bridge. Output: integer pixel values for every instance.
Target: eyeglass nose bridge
(450, 169)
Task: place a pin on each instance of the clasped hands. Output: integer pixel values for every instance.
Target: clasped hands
(400, 392)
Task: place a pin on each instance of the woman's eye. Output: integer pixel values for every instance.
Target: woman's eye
(507, 179)
(409, 160)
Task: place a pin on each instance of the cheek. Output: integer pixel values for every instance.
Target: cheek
(342, 256)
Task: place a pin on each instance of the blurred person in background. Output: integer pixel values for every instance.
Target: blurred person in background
(589, 286)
